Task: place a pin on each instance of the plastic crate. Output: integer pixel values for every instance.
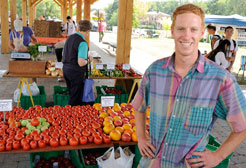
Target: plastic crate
(84, 151)
(47, 155)
(60, 99)
(25, 101)
(122, 98)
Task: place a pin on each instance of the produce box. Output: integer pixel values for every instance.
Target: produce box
(44, 28)
(212, 145)
(47, 155)
(119, 98)
(27, 67)
(60, 96)
(25, 101)
(88, 156)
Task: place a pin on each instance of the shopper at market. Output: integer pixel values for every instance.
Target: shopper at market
(211, 31)
(101, 30)
(21, 37)
(75, 54)
(70, 27)
(187, 93)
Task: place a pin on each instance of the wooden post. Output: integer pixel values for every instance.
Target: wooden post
(124, 31)
(64, 17)
(71, 8)
(24, 12)
(87, 12)
(30, 13)
(12, 12)
(79, 11)
(34, 12)
(62, 11)
(4, 26)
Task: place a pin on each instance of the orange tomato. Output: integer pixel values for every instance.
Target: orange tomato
(115, 135)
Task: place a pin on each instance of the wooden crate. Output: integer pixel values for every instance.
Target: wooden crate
(26, 66)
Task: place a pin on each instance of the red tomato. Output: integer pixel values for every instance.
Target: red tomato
(24, 141)
(63, 141)
(33, 144)
(26, 147)
(16, 144)
(73, 141)
(83, 140)
(41, 144)
(2, 147)
(18, 137)
(35, 121)
(86, 133)
(9, 146)
(54, 142)
(2, 142)
(29, 137)
(90, 139)
(55, 123)
(10, 140)
(37, 137)
(126, 137)
(34, 133)
(106, 139)
(98, 139)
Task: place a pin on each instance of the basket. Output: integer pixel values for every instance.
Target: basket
(25, 101)
(121, 98)
(47, 155)
(60, 99)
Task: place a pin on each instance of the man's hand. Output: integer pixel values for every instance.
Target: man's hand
(22, 49)
(207, 159)
(146, 148)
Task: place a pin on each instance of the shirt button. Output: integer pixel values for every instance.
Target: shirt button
(174, 116)
(170, 129)
(164, 157)
(201, 108)
(177, 100)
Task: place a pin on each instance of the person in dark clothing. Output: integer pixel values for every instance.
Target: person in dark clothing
(75, 54)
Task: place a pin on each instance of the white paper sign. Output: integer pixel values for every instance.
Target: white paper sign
(99, 66)
(107, 101)
(59, 65)
(110, 66)
(42, 48)
(126, 66)
(5, 104)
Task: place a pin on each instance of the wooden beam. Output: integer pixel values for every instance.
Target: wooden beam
(124, 31)
(87, 13)
(74, 2)
(37, 2)
(79, 10)
(64, 17)
(24, 12)
(58, 3)
(93, 1)
(4, 26)
(12, 12)
(71, 8)
(34, 12)
(30, 13)
(34, 1)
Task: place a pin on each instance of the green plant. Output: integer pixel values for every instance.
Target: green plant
(33, 50)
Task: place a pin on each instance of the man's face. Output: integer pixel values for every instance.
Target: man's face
(210, 31)
(187, 32)
(228, 33)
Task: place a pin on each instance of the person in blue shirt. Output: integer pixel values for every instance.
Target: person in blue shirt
(20, 37)
(75, 54)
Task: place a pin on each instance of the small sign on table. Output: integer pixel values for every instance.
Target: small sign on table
(107, 101)
(126, 66)
(5, 105)
(99, 66)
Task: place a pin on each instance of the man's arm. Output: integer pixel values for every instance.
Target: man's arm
(11, 45)
(145, 147)
(211, 159)
(34, 39)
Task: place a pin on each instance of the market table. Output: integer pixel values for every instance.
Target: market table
(68, 147)
(49, 40)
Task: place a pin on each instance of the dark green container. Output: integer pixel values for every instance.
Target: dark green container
(60, 99)
(122, 98)
(47, 155)
(25, 101)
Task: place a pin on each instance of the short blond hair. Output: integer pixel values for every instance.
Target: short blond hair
(188, 8)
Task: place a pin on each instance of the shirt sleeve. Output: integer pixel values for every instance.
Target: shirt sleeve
(65, 26)
(221, 60)
(231, 104)
(83, 50)
(141, 99)
(236, 46)
(10, 35)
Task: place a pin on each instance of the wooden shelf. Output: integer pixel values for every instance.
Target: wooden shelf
(68, 147)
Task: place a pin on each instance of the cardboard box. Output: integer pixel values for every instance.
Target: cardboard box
(27, 67)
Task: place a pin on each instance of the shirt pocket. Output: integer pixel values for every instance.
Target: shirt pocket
(198, 120)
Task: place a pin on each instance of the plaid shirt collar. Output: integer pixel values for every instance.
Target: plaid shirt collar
(199, 65)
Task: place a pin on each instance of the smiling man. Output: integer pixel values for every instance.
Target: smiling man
(187, 93)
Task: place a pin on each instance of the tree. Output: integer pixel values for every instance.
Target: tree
(48, 8)
(135, 21)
